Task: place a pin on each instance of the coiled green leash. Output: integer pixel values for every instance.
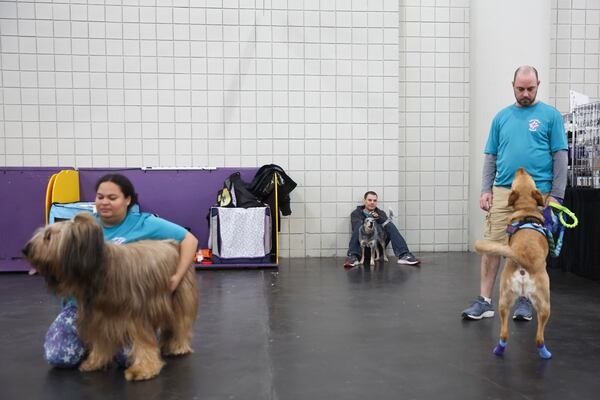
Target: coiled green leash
(564, 210)
(554, 231)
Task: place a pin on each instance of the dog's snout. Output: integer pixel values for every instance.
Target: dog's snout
(25, 250)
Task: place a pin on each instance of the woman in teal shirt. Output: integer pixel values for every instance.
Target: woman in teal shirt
(115, 197)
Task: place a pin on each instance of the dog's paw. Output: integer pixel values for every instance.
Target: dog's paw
(173, 349)
(90, 365)
(142, 372)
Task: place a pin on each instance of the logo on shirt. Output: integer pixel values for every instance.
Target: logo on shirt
(119, 240)
(533, 125)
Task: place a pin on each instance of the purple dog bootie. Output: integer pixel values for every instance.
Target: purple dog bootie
(543, 352)
(500, 347)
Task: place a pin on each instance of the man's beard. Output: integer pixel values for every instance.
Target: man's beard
(526, 102)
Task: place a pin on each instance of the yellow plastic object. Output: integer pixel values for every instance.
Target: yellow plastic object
(63, 187)
(66, 187)
(49, 196)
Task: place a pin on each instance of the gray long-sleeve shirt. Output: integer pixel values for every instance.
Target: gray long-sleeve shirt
(559, 169)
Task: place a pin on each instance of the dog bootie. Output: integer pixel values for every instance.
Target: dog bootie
(500, 347)
(543, 352)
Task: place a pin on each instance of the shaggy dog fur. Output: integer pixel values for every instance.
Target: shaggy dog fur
(524, 272)
(122, 293)
(372, 235)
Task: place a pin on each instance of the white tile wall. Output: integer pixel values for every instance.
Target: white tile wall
(575, 45)
(347, 96)
(434, 107)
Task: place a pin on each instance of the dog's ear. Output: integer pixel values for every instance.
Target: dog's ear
(83, 252)
(538, 197)
(84, 217)
(513, 197)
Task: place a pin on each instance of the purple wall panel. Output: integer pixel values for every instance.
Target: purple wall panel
(22, 199)
(181, 196)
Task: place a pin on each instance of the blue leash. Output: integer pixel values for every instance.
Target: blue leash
(555, 225)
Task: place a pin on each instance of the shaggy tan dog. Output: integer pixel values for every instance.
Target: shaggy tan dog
(524, 272)
(122, 293)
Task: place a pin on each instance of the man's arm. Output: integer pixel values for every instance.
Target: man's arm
(560, 160)
(355, 218)
(489, 173)
(381, 216)
(487, 181)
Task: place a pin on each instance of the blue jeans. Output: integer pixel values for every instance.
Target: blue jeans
(392, 235)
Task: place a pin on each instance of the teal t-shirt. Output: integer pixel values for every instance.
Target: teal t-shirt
(526, 137)
(143, 226)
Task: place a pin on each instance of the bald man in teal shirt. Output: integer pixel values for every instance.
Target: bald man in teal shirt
(528, 134)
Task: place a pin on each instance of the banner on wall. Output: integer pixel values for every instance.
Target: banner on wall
(577, 99)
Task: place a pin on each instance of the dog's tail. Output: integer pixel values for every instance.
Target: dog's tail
(390, 217)
(494, 248)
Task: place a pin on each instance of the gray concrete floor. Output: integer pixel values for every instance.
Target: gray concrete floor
(312, 330)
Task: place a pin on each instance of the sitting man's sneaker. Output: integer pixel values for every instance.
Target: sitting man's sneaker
(524, 309)
(351, 261)
(408, 259)
(479, 309)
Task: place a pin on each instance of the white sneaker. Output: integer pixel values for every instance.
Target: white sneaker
(408, 259)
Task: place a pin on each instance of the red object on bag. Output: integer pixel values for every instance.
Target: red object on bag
(203, 255)
(206, 253)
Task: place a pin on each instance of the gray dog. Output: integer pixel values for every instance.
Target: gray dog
(371, 235)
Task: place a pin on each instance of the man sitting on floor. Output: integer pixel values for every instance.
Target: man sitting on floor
(369, 209)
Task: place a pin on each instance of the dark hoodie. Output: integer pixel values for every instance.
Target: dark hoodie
(358, 216)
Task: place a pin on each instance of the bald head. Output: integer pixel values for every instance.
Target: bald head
(524, 70)
(525, 85)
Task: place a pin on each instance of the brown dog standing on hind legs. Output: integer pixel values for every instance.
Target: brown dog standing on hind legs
(122, 293)
(524, 271)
